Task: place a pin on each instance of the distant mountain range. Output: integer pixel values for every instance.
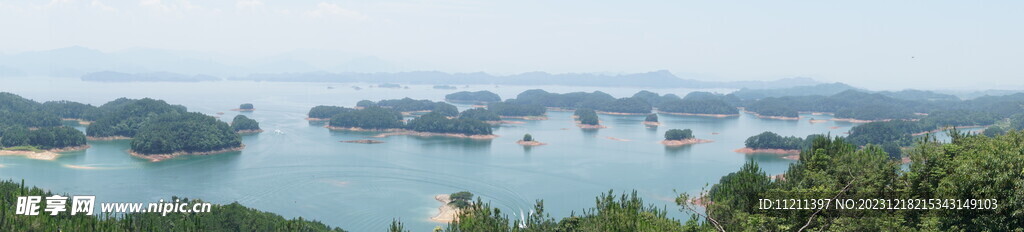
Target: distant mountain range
(658, 79)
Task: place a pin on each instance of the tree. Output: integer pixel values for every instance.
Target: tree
(527, 138)
(246, 106)
(184, 132)
(677, 134)
(461, 199)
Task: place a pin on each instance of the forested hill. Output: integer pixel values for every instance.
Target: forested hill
(25, 122)
(596, 100)
(702, 103)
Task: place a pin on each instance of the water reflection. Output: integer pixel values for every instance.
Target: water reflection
(674, 151)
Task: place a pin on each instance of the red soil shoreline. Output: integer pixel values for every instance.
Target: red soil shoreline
(747, 150)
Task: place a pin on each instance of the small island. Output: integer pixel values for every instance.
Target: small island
(651, 120)
(245, 107)
(42, 143)
(435, 124)
(245, 125)
(677, 137)
(587, 119)
(324, 113)
(768, 142)
(529, 142)
(597, 100)
(171, 135)
(478, 97)
(451, 205)
(389, 85)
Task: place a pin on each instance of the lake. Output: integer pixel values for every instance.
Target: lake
(298, 168)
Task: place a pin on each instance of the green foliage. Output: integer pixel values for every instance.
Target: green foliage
(654, 99)
(18, 111)
(241, 123)
(474, 97)
(651, 118)
(703, 106)
(230, 217)
(245, 106)
(481, 114)
(397, 226)
(516, 109)
(576, 100)
(184, 132)
(126, 117)
(410, 105)
(461, 200)
(365, 103)
(70, 109)
(994, 131)
(769, 140)
(323, 112)
(587, 116)
(677, 134)
(528, 137)
(43, 138)
(368, 118)
(437, 123)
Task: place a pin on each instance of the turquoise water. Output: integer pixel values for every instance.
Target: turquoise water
(298, 168)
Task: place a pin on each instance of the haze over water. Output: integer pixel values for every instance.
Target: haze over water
(298, 168)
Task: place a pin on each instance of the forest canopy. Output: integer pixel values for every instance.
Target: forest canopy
(242, 123)
(482, 96)
(516, 109)
(437, 123)
(677, 134)
(375, 118)
(184, 132)
(326, 112)
(586, 116)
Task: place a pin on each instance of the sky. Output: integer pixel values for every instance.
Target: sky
(874, 44)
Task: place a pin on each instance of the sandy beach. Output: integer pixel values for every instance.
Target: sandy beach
(445, 213)
(747, 150)
(946, 128)
(652, 123)
(684, 142)
(854, 120)
(51, 154)
(769, 117)
(618, 139)
(530, 143)
(318, 119)
(243, 110)
(162, 157)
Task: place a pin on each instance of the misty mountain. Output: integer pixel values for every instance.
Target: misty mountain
(108, 76)
(657, 79)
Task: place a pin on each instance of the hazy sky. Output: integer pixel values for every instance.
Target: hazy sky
(876, 44)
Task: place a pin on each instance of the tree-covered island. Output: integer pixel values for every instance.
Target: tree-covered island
(174, 134)
(478, 97)
(34, 130)
(700, 104)
(681, 137)
(529, 141)
(651, 120)
(245, 125)
(245, 107)
(587, 119)
(324, 113)
(769, 142)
